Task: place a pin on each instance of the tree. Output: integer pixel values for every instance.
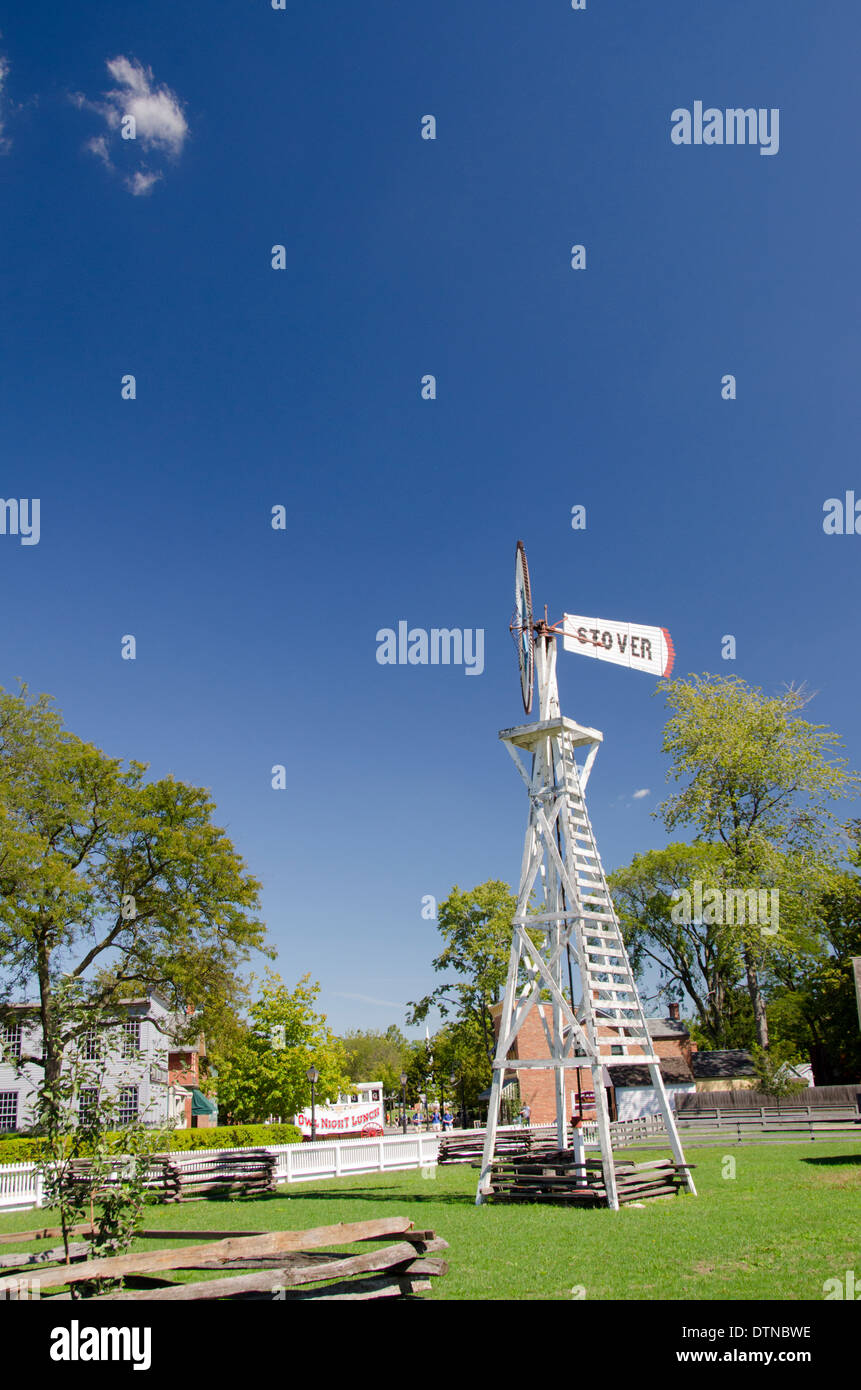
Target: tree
(694, 958)
(773, 1076)
(374, 1056)
(760, 781)
(812, 1000)
(476, 928)
(458, 1050)
(111, 882)
(265, 1074)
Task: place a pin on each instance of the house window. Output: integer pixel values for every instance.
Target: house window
(128, 1105)
(131, 1037)
(91, 1048)
(8, 1110)
(11, 1035)
(87, 1104)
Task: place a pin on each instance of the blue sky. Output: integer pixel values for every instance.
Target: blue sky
(301, 387)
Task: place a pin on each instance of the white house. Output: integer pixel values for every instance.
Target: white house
(140, 1066)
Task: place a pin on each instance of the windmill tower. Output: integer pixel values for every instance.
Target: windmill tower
(572, 930)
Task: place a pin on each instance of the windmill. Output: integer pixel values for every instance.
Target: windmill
(575, 930)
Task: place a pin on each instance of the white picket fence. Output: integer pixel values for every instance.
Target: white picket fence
(21, 1183)
(20, 1186)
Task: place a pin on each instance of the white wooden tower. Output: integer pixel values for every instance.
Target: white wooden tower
(571, 936)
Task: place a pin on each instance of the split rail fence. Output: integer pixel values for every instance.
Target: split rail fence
(396, 1261)
(786, 1124)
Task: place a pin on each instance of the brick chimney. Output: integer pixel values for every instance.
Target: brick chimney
(674, 1013)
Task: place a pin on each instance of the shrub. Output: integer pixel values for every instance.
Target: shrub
(26, 1148)
(20, 1149)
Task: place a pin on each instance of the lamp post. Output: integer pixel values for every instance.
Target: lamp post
(452, 1081)
(404, 1101)
(313, 1076)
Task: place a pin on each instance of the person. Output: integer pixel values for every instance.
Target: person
(448, 1120)
(435, 1119)
(525, 1115)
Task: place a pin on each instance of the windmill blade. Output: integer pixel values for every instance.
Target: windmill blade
(640, 648)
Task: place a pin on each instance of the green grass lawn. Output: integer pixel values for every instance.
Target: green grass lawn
(788, 1220)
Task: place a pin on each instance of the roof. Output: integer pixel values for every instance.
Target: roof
(666, 1028)
(674, 1070)
(509, 1080)
(729, 1062)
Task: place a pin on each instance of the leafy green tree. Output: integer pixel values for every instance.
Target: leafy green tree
(737, 1030)
(110, 881)
(772, 1071)
(458, 1050)
(695, 958)
(812, 1002)
(375, 1056)
(760, 781)
(476, 929)
(265, 1073)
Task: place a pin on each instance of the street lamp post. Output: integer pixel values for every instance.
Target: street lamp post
(404, 1101)
(313, 1076)
(452, 1081)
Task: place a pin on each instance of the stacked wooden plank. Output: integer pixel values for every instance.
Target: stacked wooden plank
(249, 1172)
(466, 1148)
(558, 1177)
(398, 1261)
(162, 1176)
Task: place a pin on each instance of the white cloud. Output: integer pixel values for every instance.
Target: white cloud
(644, 791)
(158, 115)
(4, 73)
(159, 124)
(368, 999)
(99, 147)
(141, 183)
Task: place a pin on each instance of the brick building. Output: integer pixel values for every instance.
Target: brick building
(628, 1087)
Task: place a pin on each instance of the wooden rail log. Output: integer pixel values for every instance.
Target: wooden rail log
(78, 1250)
(283, 1265)
(48, 1233)
(268, 1243)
